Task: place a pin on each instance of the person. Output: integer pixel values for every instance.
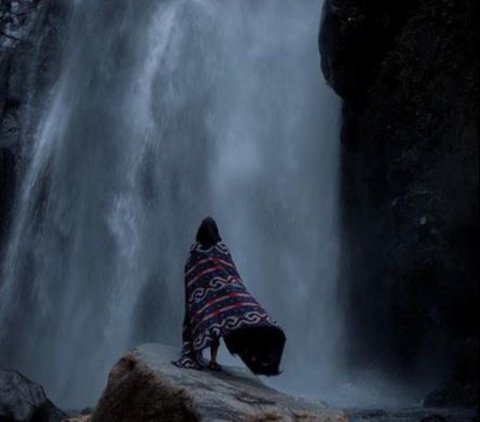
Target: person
(217, 305)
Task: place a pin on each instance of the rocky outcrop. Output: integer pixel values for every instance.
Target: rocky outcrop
(461, 386)
(29, 38)
(408, 74)
(414, 414)
(22, 400)
(145, 386)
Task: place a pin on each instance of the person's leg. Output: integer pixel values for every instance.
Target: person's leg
(213, 353)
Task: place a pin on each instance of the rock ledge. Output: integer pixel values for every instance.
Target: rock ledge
(144, 386)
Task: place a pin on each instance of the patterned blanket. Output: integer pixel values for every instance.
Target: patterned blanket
(219, 305)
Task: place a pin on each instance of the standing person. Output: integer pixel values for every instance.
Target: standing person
(217, 304)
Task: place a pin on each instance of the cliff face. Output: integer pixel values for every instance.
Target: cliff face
(408, 75)
(29, 38)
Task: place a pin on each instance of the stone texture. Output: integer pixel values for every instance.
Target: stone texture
(414, 414)
(22, 400)
(80, 418)
(145, 386)
(30, 32)
(408, 75)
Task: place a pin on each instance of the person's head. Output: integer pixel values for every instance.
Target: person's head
(207, 234)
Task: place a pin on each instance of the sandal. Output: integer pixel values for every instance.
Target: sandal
(214, 366)
(187, 364)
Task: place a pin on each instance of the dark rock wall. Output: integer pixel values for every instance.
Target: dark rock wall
(30, 34)
(408, 74)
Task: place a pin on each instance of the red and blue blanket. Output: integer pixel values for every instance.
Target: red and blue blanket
(217, 304)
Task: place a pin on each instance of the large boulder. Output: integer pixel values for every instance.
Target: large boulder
(23, 400)
(145, 386)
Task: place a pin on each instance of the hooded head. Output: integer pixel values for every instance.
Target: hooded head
(207, 233)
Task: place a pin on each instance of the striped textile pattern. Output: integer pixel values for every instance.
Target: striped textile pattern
(217, 302)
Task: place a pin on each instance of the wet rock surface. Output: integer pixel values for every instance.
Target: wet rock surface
(414, 414)
(30, 33)
(145, 386)
(22, 400)
(408, 76)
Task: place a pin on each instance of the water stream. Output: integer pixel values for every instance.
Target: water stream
(166, 112)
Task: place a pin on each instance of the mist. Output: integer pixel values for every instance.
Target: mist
(163, 114)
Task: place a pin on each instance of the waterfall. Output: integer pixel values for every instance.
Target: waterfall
(163, 113)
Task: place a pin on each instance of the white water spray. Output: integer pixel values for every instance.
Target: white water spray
(163, 114)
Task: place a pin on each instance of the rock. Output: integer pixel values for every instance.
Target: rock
(81, 418)
(412, 414)
(145, 386)
(7, 190)
(29, 63)
(454, 394)
(434, 418)
(408, 75)
(461, 387)
(86, 411)
(354, 38)
(85, 415)
(22, 400)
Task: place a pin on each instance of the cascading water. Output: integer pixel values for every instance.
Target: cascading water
(165, 113)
